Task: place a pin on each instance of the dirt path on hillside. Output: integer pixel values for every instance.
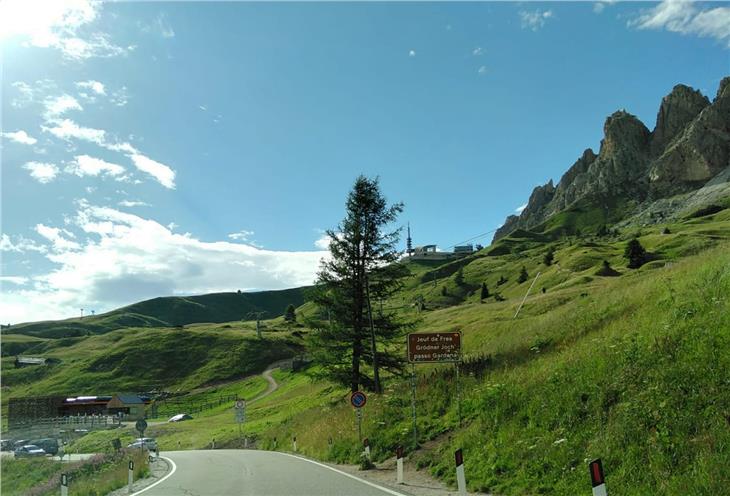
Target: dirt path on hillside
(273, 385)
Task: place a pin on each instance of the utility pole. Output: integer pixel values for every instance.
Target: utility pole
(376, 371)
(82, 313)
(409, 241)
(257, 316)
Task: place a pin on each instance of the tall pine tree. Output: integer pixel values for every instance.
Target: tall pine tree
(354, 345)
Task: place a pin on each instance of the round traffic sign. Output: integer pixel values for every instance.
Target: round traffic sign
(358, 399)
(141, 425)
(240, 404)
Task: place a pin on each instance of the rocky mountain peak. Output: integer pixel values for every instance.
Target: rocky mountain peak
(676, 111)
(724, 88)
(623, 130)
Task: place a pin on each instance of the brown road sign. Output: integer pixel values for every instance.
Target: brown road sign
(436, 347)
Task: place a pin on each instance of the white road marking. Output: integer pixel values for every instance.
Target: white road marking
(174, 467)
(385, 489)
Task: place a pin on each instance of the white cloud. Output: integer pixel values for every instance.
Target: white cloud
(58, 105)
(684, 17)
(161, 172)
(534, 19)
(41, 171)
(164, 27)
(21, 245)
(17, 280)
(521, 208)
(242, 235)
(119, 97)
(323, 242)
(412, 53)
(55, 236)
(482, 70)
(67, 129)
(598, 7)
(127, 258)
(84, 165)
(20, 137)
(477, 51)
(92, 85)
(57, 24)
(132, 203)
(202, 107)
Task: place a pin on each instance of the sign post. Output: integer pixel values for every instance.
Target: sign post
(597, 479)
(433, 347)
(141, 425)
(131, 476)
(240, 408)
(460, 476)
(64, 484)
(358, 400)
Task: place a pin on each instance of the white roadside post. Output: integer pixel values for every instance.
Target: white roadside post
(460, 476)
(131, 476)
(294, 444)
(366, 444)
(597, 479)
(399, 464)
(64, 485)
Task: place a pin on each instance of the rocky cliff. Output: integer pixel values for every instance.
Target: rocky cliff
(689, 145)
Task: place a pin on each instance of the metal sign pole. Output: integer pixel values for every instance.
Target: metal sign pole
(413, 404)
(358, 414)
(458, 393)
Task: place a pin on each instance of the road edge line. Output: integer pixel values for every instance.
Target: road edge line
(372, 484)
(174, 468)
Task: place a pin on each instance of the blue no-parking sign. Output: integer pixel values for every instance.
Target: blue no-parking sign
(358, 399)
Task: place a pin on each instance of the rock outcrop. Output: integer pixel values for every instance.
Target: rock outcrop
(689, 145)
(677, 110)
(699, 153)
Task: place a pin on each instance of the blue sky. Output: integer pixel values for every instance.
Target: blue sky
(154, 149)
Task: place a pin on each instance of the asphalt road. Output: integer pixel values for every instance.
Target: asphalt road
(255, 473)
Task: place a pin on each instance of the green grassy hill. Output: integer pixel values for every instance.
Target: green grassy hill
(631, 367)
(169, 312)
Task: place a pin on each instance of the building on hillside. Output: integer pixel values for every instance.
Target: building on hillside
(430, 252)
(84, 405)
(129, 405)
(21, 361)
(464, 250)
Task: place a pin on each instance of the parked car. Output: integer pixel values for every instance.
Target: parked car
(180, 417)
(148, 443)
(29, 450)
(48, 445)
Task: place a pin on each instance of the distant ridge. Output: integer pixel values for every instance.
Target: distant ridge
(169, 311)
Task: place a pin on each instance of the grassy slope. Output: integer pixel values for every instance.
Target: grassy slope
(627, 368)
(138, 359)
(168, 311)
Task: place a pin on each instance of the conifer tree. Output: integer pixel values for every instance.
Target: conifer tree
(635, 254)
(523, 275)
(354, 344)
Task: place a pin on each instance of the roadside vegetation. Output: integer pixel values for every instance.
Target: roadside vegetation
(97, 476)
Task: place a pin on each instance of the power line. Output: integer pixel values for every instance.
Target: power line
(473, 238)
